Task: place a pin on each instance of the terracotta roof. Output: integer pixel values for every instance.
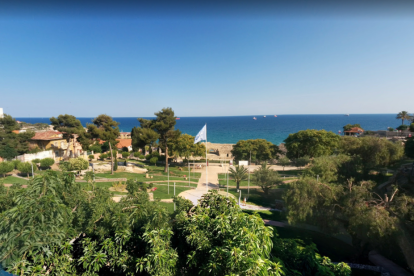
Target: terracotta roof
(15, 131)
(48, 135)
(124, 143)
(355, 130)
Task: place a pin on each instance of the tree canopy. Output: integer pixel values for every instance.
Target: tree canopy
(404, 116)
(311, 142)
(184, 146)
(260, 149)
(349, 126)
(266, 178)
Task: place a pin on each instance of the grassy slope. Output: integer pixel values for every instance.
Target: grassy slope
(13, 179)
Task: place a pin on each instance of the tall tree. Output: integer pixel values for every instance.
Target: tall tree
(70, 126)
(184, 147)
(8, 123)
(403, 115)
(311, 142)
(239, 173)
(143, 136)
(106, 129)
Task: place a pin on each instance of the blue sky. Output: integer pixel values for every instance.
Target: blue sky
(205, 61)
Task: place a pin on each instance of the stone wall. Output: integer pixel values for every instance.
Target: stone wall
(222, 150)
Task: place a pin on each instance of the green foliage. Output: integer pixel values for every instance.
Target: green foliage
(6, 167)
(300, 259)
(78, 164)
(91, 157)
(216, 238)
(266, 178)
(403, 115)
(311, 142)
(184, 147)
(103, 156)
(8, 123)
(403, 127)
(125, 154)
(116, 164)
(7, 152)
(137, 154)
(373, 152)
(283, 161)
(328, 168)
(16, 163)
(302, 161)
(26, 168)
(412, 127)
(69, 126)
(349, 126)
(36, 161)
(154, 160)
(47, 163)
(409, 147)
(96, 148)
(238, 173)
(260, 150)
(143, 136)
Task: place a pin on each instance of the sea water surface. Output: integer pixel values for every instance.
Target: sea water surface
(231, 129)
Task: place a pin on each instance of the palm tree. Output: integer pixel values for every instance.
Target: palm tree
(239, 174)
(266, 178)
(403, 115)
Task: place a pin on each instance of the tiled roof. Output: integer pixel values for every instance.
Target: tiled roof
(355, 129)
(124, 143)
(48, 135)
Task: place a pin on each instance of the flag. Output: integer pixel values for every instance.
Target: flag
(202, 135)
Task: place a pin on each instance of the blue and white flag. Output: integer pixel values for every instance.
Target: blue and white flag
(202, 135)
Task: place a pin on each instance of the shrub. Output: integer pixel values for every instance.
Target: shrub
(6, 167)
(115, 164)
(36, 161)
(96, 148)
(154, 160)
(302, 161)
(26, 168)
(148, 156)
(103, 156)
(119, 186)
(47, 162)
(125, 154)
(91, 157)
(78, 164)
(412, 127)
(16, 163)
(137, 154)
(402, 127)
(141, 156)
(64, 166)
(390, 129)
(155, 154)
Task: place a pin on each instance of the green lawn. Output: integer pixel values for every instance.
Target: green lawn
(271, 215)
(13, 179)
(168, 206)
(223, 181)
(162, 191)
(141, 177)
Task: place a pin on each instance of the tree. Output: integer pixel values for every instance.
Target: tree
(8, 152)
(26, 168)
(47, 162)
(266, 178)
(103, 156)
(283, 161)
(403, 127)
(125, 154)
(143, 136)
(70, 127)
(311, 142)
(154, 160)
(184, 147)
(409, 147)
(403, 115)
(116, 164)
(6, 167)
(96, 148)
(78, 164)
(91, 157)
(106, 129)
(8, 123)
(349, 127)
(16, 163)
(302, 161)
(260, 149)
(239, 173)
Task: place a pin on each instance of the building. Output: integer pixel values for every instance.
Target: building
(354, 131)
(1, 112)
(124, 135)
(53, 140)
(124, 143)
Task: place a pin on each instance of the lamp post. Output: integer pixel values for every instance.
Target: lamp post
(248, 182)
(32, 169)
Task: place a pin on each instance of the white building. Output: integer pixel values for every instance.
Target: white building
(1, 112)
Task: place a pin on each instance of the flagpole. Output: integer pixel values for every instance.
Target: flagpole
(206, 161)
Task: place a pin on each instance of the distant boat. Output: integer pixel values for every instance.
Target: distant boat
(177, 118)
(264, 116)
(275, 115)
(346, 114)
(254, 118)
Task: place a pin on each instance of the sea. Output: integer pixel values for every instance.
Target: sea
(230, 129)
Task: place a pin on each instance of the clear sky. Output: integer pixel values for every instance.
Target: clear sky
(221, 59)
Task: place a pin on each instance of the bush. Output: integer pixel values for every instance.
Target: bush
(390, 129)
(103, 156)
(412, 127)
(6, 167)
(141, 156)
(78, 164)
(155, 154)
(402, 127)
(47, 163)
(36, 161)
(26, 168)
(65, 166)
(96, 148)
(125, 154)
(302, 161)
(91, 157)
(148, 156)
(16, 163)
(154, 160)
(137, 154)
